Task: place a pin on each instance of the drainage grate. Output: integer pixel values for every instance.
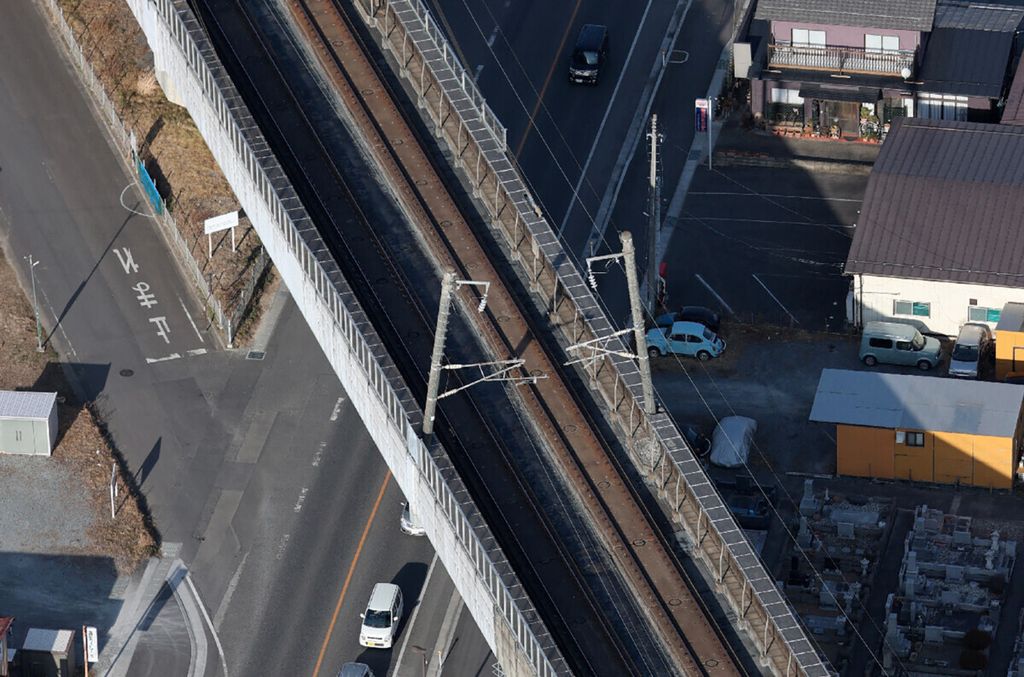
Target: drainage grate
(255, 355)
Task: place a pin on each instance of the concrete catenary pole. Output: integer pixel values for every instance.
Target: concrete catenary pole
(443, 310)
(653, 220)
(633, 285)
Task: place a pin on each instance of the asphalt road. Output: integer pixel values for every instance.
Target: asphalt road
(566, 137)
(766, 244)
(260, 469)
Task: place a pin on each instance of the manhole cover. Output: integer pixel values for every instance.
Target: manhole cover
(603, 484)
(538, 373)
(126, 373)
(446, 223)
(422, 182)
(255, 355)
(711, 663)
(675, 601)
(503, 318)
(639, 542)
(570, 428)
(366, 92)
(398, 142)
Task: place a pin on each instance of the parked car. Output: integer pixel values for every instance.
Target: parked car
(705, 316)
(589, 54)
(898, 343)
(751, 512)
(685, 338)
(382, 616)
(695, 438)
(355, 670)
(731, 441)
(973, 346)
(407, 524)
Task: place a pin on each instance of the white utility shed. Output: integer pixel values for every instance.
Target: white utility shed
(28, 422)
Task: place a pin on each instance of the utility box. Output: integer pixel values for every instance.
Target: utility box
(48, 653)
(28, 422)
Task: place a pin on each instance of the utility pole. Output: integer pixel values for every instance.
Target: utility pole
(447, 287)
(597, 347)
(653, 219)
(32, 263)
(502, 369)
(633, 285)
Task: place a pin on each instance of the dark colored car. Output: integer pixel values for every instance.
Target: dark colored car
(696, 439)
(705, 316)
(589, 54)
(752, 512)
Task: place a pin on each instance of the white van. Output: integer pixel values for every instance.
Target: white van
(382, 616)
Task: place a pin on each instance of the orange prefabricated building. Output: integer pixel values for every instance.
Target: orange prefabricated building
(923, 428)
(1010, 341)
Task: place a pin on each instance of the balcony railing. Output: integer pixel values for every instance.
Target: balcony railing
(846, 60)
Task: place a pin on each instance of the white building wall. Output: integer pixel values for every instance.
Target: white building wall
(875, 297)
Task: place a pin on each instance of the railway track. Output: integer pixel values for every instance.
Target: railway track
(553, 579)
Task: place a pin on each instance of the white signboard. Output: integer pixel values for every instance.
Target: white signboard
(92, 649)
(222, 222)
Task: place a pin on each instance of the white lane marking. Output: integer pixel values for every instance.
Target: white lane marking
(127, 260)
(197, 351)
(337, 408)
(133, 211)
(191, 321)
(206, 617)
(318, 456)
(301, 500)
(774, 222)
(153, 360)
(776, 298)
(604, 120)
(775, 195)
(415, 612)
(490, 39)
(218, 617)
(714, 293)
(282, 546)
(476, 74)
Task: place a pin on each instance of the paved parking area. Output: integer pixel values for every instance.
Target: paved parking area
(766, 243)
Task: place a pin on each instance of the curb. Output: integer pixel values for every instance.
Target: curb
(734, 158)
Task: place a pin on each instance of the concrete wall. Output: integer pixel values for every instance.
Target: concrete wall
(874, 296)
(391, 415)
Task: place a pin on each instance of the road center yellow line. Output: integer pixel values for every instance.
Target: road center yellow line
(547, 80)
(351, 571)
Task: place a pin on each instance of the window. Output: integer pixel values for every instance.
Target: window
(807, 38)
(912, 308)
(914, 439)
(693, 339)
(982, 314)
(881, 43)
(791, 96)
(903, 345)
(941, 107)
(880, 343)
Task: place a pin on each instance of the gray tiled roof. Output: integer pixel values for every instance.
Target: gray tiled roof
(966, 62)
(914, 15)
(978, 17)
(927, 403)
(26, 404)
(943, 202)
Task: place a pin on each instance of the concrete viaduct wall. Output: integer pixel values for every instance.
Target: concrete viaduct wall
(468, 129)
(189, 68)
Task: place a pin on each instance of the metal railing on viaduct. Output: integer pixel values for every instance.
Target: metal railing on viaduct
(188, 65)
(465, 125)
